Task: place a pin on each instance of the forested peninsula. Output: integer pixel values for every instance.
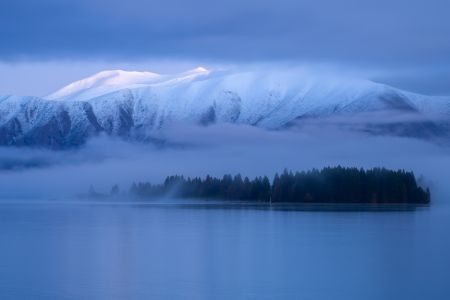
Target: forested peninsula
(328, 185)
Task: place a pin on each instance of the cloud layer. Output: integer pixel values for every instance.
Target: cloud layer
(407, 40)
(367, 31)
(215, 150)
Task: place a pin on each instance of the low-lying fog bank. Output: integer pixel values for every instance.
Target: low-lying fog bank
(214, 150)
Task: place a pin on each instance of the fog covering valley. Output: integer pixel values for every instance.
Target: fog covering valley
(32, 173)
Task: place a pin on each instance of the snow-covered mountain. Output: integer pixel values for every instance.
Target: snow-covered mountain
(135, 105)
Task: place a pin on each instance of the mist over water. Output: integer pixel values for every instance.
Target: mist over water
(60, 248)
(214, 150)
(266, 62)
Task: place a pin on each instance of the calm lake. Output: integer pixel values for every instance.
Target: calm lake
(55, 250)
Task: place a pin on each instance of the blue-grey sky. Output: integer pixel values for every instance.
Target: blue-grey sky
(401, 42)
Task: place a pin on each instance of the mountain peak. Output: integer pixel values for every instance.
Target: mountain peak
(112, 80)
(109, 78)
(133, 104)
(199, 69)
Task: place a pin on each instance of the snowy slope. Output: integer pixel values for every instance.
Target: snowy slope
(135, 104)
(110, 81)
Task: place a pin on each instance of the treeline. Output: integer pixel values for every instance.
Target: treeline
(329, 185)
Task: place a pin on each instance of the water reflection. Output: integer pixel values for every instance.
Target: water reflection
(212, 251)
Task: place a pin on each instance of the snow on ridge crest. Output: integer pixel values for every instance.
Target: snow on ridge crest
(112, 80)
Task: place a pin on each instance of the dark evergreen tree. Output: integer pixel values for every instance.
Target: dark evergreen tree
(115, 190)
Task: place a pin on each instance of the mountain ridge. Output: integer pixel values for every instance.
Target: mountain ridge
(135, 105)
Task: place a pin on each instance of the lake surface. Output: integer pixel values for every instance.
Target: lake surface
(135, 251)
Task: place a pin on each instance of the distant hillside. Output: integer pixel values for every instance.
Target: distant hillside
(136, 105)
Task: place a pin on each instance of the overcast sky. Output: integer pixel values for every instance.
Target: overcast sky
(47, 43)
